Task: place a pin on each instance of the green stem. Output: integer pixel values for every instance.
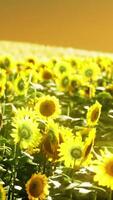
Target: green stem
(95, 196)
(110, 195)
(14, 172)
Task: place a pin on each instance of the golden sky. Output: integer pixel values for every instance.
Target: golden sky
(83, 24)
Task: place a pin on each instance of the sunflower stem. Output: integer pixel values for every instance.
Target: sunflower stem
(14, 172)
(95, 196)
(110, 195)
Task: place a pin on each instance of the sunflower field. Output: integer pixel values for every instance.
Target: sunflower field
(56, 123)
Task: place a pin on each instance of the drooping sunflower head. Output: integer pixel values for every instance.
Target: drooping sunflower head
(88, 146)
(50, 140)
(26, 133)
(104, 170)
(37, 187)
(93, 114)
(87, 91)
(2, 193)
(48, 107)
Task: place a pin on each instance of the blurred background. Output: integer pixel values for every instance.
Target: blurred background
(83, 24)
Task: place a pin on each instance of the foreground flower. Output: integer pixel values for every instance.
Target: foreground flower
(71, 152)
(2, 193)
(37, 187)
(104, 169)
(26, 133)
(93, 114)
(48, 107)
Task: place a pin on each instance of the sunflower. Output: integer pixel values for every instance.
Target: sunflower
(70, 152)
(104, 169)
(50, 140)
(88, 146)
(87, 91)
(90, 71)
(7, 63)
(48, 107)
(25, 132)
(75, 83)
(63, 81)
(46, 74)
(62, 67)
(93, 114)
(20, 85)
(53, 137)
(2, 193)
(37, 187)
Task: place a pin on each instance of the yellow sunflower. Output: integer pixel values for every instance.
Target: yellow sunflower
(62, 67)
(7, 63)
(104, 169)
(2, 193)
(37, 187)
(46, 74)
(50, 140)
(25, 132)
(20, 85)
(48, 107)
(93, 114)
(87, 91)
(63, 81)
(88, 146)
(70, 152)
(90, 71)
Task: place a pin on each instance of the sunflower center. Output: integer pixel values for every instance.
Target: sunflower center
(65, 81)
(76, 153)
(47, 108)
(89, 72)
(47, 75)
(74, 84)
(94, 115)
(21, 85)
(62, 69)
(36, 188)
(25, 132)
(109, 168)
